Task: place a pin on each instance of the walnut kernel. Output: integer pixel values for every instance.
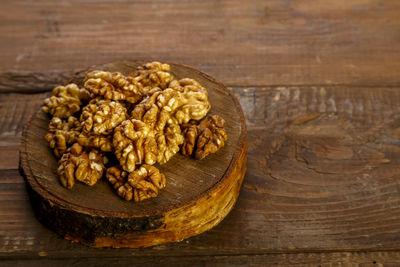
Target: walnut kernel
(141, 184)
(148, 79)
(99, 141)
(62, 133)
(86, 166)
(151, 75)
(203, 137)
(118, 179)
(65, 101)
(134, 143)
(146, 181)
(168, 142)
(102, 116)
(172, 106)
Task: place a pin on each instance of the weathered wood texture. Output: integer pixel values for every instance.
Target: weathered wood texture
(249, 45)
(322, 175)
(356, 259)
(238, 42)
(15, 111)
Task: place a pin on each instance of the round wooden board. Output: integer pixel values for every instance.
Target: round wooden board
(198, 195)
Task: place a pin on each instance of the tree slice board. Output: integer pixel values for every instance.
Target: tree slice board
(198, 195)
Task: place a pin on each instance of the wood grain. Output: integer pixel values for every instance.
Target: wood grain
(343, 209)
(15, 111)
(239, 43)
(356, 259)
(23, 236)
(251, 46)
(199, 194)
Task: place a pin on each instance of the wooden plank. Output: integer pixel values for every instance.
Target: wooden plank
(266, 105)
(322, 175)
(293, 259)
(15, 110)
(23, 238)
(242, 43)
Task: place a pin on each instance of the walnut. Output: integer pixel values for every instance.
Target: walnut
(172, 106)
(168, 142)
(204, 137)
(62, 133)
(134, 143)
(146, 181)
(86, 166)
(147, 80)
(156, 110)
(194, 105)
(155, 66)
(141, 184)
(118, 178)
(186, 85)
(99, 141)
(102, 116)
(113, 86)
(65, 101)
(151, 75)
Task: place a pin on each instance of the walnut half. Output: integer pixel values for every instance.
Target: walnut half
(86, 166)
(179, 104)
(203, 137)
(102, 116)
(146, 181)
(65, 101)
(139, 185)
(118, 179)
(62, 133)
(147, 79)
(134, 144)
(99, 141)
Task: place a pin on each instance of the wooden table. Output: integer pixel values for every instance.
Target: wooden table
(318, 82)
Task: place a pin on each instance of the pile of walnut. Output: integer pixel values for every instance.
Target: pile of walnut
(140, 119)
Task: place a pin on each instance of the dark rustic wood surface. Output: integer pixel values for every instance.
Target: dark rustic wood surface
(318, 83)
